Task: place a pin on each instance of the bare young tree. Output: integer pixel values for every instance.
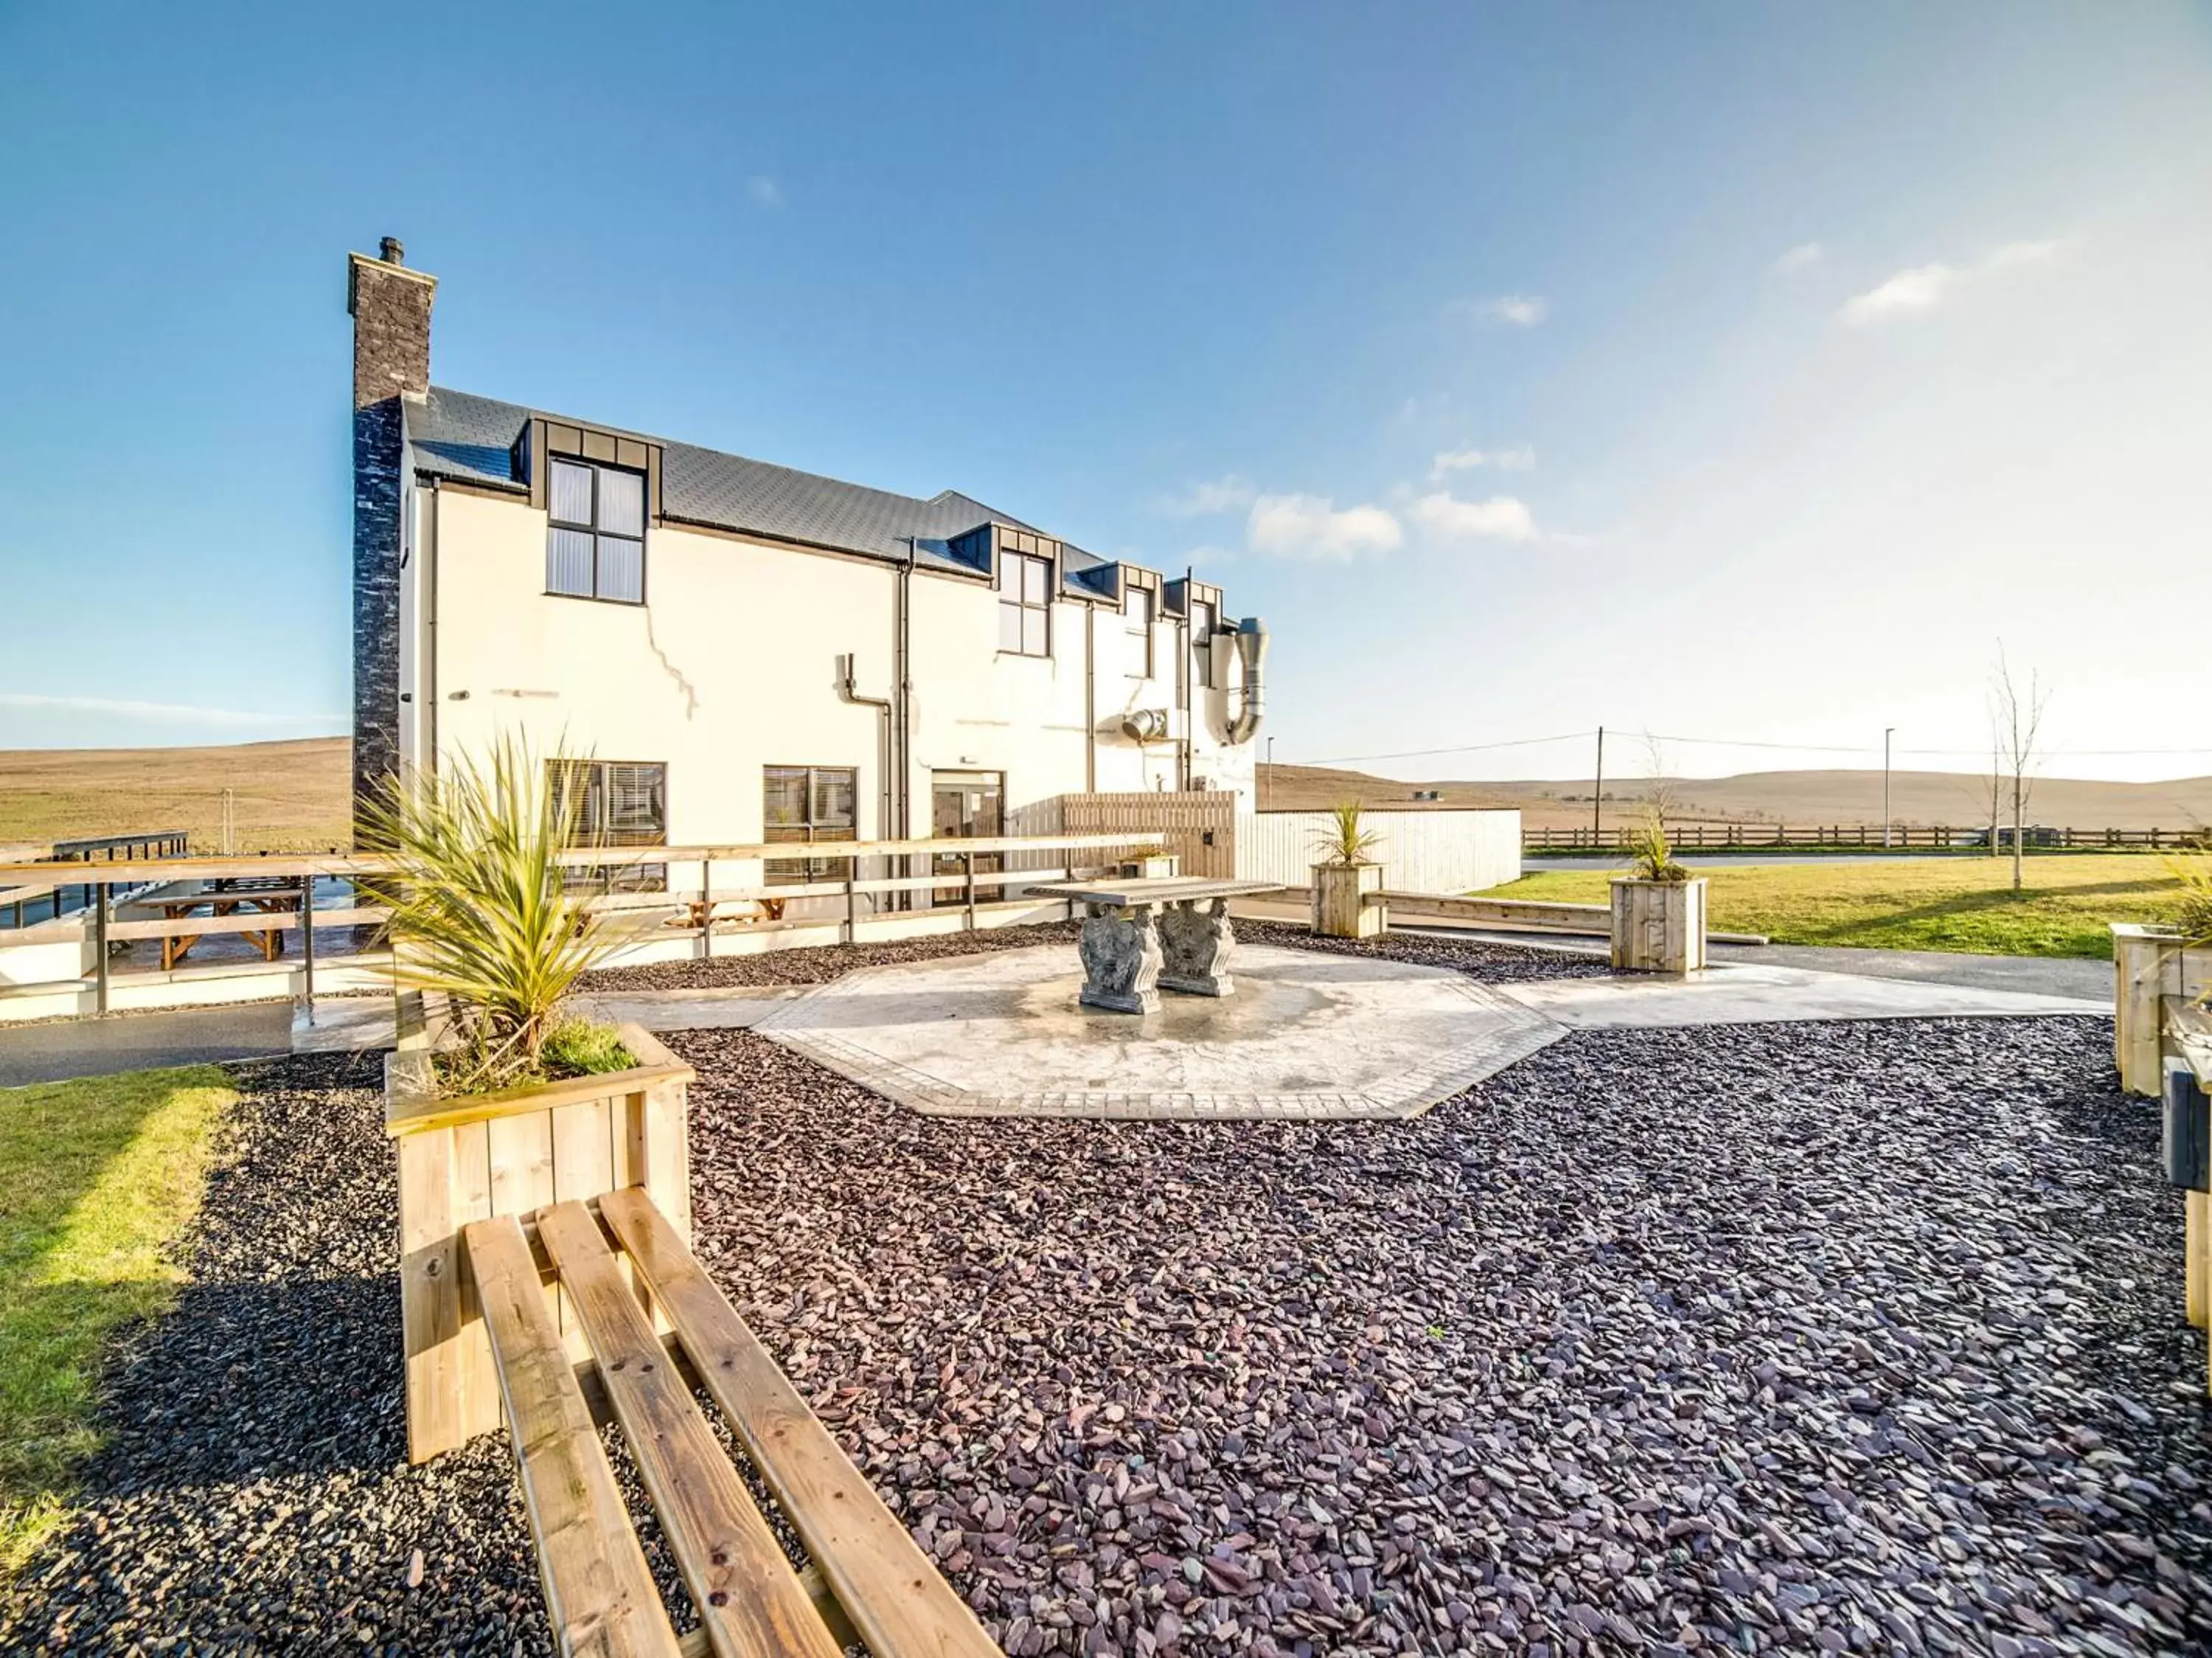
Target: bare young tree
(1996, 794)
(2015, 728)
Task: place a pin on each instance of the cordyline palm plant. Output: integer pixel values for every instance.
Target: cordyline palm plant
(2193, 914)
(1651, 854)
(1346, 842)
(480, 910)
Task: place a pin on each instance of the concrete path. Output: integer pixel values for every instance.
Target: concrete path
(2073, 978)
(729, 1007)
(2036, 975)
(64, 1048)
(1306, 1036)
(1742, 995)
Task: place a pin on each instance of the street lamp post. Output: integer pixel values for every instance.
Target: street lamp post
(1888, 733)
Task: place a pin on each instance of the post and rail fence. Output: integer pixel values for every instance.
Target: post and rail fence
(965, 886)
(1700, 837)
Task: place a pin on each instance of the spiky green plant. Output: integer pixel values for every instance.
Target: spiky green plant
(1346, 841)
(1651, 855)
(2193, 914)
(480, 910)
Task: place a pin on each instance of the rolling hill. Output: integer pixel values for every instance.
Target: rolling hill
(291, 796)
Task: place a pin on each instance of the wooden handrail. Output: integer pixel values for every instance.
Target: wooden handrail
(123, 870)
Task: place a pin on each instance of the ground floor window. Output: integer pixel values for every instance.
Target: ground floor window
(614, 803)
(806, 803)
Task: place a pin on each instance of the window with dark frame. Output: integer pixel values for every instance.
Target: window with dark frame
(595, 543)
(1024, 605)
(1201, 644)
(1137, 617)
(807, 804)
(613, 804)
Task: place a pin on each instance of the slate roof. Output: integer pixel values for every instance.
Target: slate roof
(459, 436)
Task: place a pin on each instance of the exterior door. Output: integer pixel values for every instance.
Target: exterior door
(966, 806)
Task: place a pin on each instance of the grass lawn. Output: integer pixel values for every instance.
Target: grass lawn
(1948, 904)
(96, 1178)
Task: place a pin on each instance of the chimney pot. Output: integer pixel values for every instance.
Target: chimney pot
(394, 251)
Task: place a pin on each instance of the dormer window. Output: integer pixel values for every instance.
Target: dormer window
(595, 546)
(1024, 605)
(1137, 617)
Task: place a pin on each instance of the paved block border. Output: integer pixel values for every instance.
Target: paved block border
(1501, 1033)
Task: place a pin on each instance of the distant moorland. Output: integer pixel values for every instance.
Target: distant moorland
(1793, 797)
(287, 796)
(291, 796)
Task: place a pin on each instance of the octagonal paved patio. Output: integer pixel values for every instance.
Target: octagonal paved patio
(1307, 1035)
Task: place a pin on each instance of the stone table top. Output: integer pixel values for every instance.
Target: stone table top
(1158, 889)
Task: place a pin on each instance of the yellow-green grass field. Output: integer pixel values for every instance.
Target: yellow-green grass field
(96, 1178)
(1933, 904)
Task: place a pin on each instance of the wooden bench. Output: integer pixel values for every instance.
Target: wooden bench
(548, 1283)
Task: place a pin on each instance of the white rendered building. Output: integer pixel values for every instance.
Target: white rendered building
(749, 652)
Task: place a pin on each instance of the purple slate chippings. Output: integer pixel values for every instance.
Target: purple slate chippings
(1844, 1338)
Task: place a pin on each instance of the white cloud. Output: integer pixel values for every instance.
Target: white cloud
(764, 190)
(1522, 310)
(1803, 257)
(1226, 494)
(1924, 287)
(1921, 289)
(2021, 252)
(139, 711)
(1312, 527)
(1501, 517)
(1519, 459)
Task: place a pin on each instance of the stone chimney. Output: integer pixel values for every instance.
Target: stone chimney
(390, 306)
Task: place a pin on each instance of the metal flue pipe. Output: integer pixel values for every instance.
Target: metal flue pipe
(1252, 651)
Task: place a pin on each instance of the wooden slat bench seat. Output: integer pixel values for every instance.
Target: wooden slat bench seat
(868, 1582)
(544, 1269)
(600, 1594)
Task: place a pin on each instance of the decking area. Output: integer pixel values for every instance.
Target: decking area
(1853, 1335)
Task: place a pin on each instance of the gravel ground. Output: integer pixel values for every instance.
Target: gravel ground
(1840, 1338)
(1845, 1337)
(255, 1496)
(1497, 963)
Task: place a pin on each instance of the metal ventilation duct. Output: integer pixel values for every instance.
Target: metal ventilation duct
(1145, 725)
(1252, 650)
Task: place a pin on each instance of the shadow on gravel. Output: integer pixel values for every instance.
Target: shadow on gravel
(290, 1378)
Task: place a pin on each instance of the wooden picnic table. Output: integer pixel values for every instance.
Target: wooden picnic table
(1143, 936)
(274, 895)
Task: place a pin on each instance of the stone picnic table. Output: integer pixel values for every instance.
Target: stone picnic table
(1143, 935)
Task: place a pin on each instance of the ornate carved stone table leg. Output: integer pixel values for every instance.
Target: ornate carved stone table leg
(1121, 951)
(1196, 940)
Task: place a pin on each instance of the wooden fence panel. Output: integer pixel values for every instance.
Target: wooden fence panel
(1200, 826)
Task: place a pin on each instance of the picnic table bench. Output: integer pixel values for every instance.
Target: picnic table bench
(275, 896)
(545, 1269)
(1147, 934)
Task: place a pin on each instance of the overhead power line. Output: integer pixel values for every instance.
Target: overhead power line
(1731, 742)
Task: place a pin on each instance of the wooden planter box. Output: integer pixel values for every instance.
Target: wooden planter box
(1658, 926)
(2150, 965)
(470, 1157)
(1343, 904)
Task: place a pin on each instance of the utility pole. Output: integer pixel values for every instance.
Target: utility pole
(1597, 794)
(1265, 780)
(1888, 732)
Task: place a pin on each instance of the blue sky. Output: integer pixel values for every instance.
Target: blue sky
(1722, 371)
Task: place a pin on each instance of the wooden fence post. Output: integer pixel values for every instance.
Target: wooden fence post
(99, 893)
